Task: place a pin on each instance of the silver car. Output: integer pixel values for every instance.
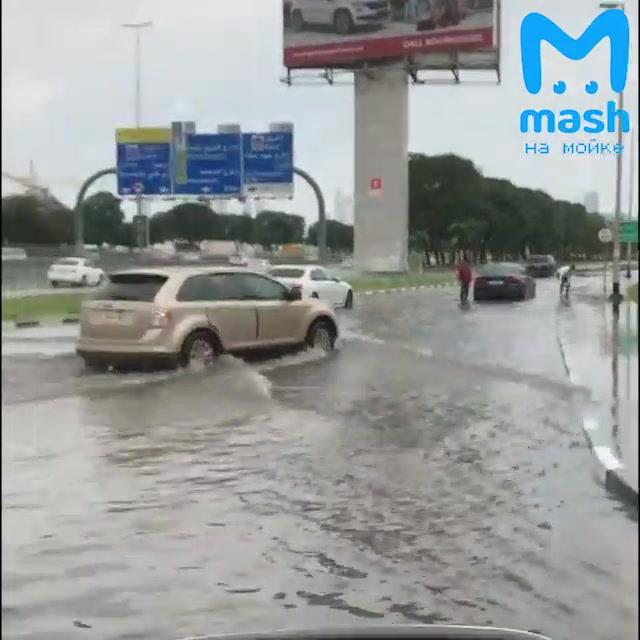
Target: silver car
(176, 315)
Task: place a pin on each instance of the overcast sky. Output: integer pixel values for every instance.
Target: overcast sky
(68, 82)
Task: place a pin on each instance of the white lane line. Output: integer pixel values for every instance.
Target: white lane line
(610, 462)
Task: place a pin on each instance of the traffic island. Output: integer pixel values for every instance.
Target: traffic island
(35, 310)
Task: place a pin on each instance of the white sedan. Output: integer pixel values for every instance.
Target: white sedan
(74, 271)
(315, 282)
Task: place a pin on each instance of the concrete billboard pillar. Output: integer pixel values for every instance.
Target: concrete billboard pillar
(381, 205)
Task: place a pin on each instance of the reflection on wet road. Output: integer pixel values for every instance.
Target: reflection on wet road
(431, 470)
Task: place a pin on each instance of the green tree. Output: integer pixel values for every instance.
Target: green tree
(24, 220)
(103, 218)
(443, 190)
(339, 235)
(60, 223)
(237, 227)
(193, 221)
(277, 228)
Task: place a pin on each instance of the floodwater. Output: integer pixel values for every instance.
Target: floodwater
(433, 469)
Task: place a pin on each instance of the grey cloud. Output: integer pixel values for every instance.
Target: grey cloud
(68, 83)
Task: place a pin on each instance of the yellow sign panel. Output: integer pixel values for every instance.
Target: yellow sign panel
(143, 135)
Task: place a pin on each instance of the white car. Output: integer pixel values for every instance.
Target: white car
(315, 282)
(10, 254)
(343, 15)
(238, 261)
(75, 271)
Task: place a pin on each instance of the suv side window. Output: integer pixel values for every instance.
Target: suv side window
(211, 288)
(227, 286)
(319, 275)
(196, 289)
(257, 287)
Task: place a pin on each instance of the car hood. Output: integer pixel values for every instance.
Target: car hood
(400, 632)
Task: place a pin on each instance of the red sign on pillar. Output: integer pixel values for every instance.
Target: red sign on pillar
(375, 187)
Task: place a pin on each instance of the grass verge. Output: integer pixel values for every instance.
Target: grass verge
(376, 282)
(632, 292)
(43, 306)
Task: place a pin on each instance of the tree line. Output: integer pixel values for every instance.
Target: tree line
(452, 207)
(27, 219)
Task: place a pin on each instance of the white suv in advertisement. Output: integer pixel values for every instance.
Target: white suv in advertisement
(345, 16)
(74, 271)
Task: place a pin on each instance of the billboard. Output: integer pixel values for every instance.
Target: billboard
(347, 33)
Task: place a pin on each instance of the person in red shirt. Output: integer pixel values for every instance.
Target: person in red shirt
(465, 277)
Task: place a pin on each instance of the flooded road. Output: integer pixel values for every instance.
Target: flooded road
(431, 470)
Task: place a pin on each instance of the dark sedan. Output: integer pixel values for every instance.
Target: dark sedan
(541, 266)
(503, 281)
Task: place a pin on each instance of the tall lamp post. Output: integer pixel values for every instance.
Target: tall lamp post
(616, 297)
(137, 28)
(632, 178)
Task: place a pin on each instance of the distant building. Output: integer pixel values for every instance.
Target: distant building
(592, 202)
(343, 208)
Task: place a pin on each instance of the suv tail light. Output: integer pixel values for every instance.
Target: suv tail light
(160, 318)
(514, 279)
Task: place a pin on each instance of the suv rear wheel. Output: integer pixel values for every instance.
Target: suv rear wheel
(321, 335)
(201, 348)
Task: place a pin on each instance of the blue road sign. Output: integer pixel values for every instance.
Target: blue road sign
(213, 166)
(143, 161)
(159, 162)
(267, 162)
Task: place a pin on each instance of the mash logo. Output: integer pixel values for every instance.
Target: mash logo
(611, 25)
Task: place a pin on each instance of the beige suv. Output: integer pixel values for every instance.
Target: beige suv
(179, 315)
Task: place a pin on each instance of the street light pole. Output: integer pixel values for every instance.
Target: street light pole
(618, 211)
(615, 297)
(137, 27)
(632, 178)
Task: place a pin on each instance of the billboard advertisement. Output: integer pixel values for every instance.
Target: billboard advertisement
(343, 33)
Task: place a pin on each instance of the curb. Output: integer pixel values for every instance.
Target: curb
(29, 324)
(609, 470)
(405, 289)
